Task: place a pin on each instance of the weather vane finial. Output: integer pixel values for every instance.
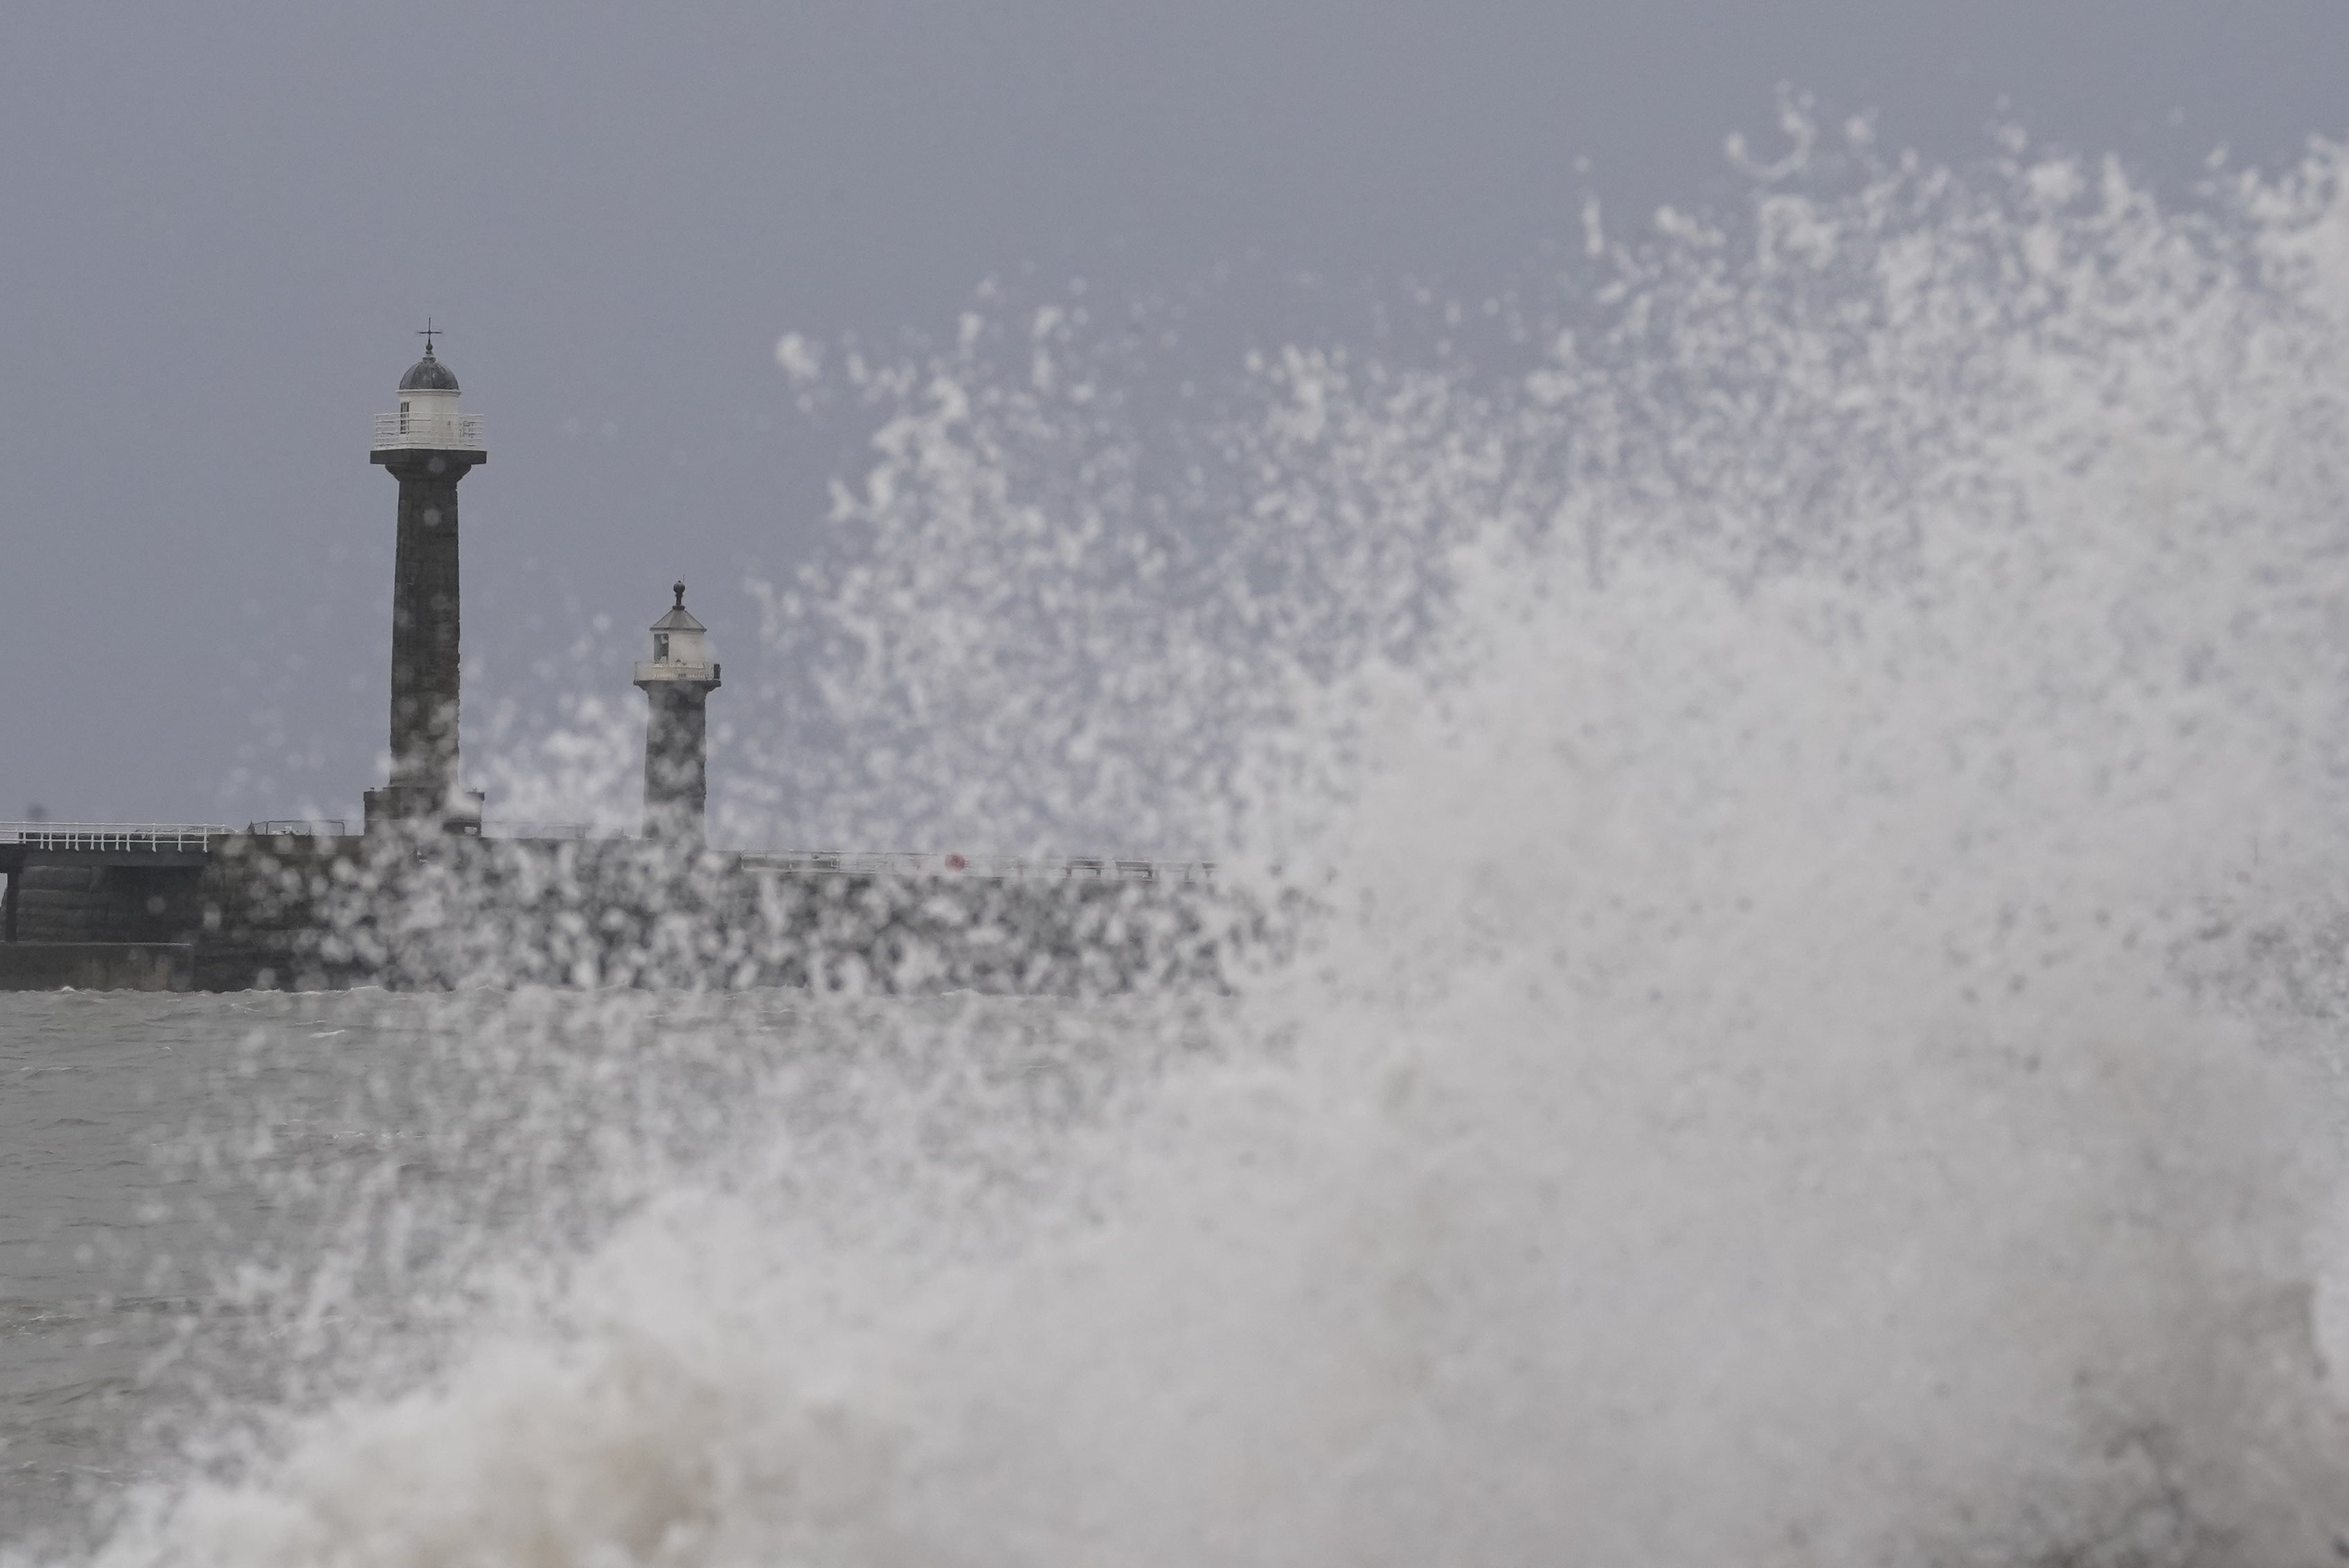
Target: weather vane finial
(428, 333)
(680, 593)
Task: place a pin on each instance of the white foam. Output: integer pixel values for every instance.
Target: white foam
(1780, 1076)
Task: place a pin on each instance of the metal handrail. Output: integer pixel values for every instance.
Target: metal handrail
(155, 836)
(396, 433)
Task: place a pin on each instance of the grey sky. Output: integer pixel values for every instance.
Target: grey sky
(219, 225)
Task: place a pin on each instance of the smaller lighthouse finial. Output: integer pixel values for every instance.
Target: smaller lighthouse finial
(680, 593)
(428, 333)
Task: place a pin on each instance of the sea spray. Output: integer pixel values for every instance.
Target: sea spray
(1773, 1069)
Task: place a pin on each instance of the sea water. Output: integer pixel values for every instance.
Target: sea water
(1804, 777)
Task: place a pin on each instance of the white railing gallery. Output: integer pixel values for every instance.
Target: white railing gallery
(402, 432)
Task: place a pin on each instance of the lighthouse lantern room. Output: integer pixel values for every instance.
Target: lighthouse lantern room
(428, 418)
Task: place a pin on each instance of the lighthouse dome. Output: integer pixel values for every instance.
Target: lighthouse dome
(428, 375)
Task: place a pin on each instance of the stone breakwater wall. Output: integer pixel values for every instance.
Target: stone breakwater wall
(309, 913)
(90, 902)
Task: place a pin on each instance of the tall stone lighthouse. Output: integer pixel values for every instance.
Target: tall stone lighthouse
(428, 446)
(676, 682)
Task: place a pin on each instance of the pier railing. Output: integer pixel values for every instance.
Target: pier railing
(114, 837)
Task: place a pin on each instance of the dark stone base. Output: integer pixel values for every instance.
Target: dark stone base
(96, 966)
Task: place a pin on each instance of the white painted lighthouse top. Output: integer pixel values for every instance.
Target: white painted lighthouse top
(680, 649)
(428, 418)
(415, 430)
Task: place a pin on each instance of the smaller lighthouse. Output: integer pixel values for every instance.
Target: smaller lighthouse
(676, 682)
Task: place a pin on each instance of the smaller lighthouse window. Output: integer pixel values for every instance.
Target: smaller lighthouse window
(660, 648)
(403, 416)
